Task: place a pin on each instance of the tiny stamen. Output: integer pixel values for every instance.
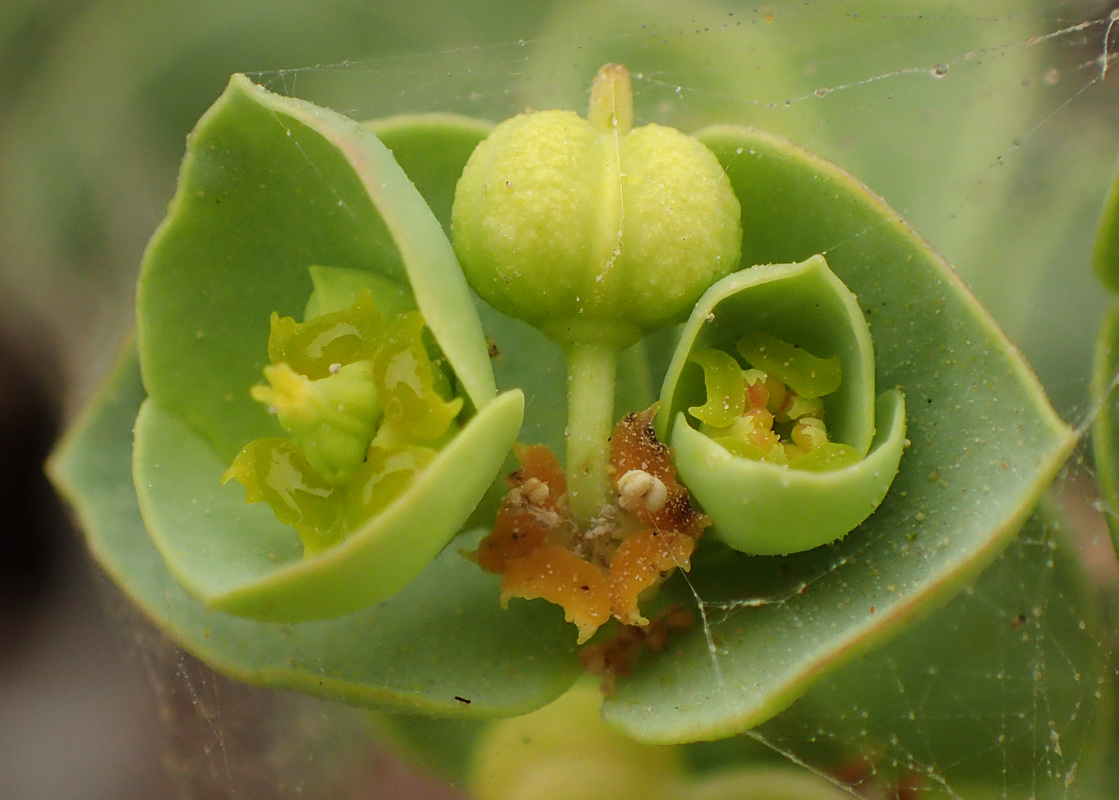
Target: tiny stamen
(638, 489)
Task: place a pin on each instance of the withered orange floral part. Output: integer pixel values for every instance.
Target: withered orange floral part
(642, 560)
(563, 578)
(600, 571)
(532, 508)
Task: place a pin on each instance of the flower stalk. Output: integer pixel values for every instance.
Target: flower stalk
(591, 374)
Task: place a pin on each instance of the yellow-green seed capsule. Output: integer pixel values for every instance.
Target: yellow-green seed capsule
(580, 225)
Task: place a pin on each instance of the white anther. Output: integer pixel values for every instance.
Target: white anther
(637, 488)
(535, 490)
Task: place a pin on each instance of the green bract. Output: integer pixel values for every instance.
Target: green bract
(777, 508)
(966, 482)
(236, 248)
(978, 658)
(274, 191)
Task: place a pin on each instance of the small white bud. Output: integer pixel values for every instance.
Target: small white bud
(638, 489)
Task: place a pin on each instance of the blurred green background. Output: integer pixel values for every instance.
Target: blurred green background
(989, 125)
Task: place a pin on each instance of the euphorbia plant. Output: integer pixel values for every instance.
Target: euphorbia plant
(305, 328)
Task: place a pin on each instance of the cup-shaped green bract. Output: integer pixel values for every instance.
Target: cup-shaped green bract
(766, 508)
(270, 188)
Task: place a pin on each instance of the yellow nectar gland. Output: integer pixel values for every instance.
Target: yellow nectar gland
(772, 410)
(365, 409)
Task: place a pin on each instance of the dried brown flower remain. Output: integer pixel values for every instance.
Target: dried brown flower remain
(601, 570)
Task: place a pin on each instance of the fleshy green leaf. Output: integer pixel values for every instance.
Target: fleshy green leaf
(984, 443)
(1105, 434)
(432, 149)
(442, 638)
(1003, 693)
(1027, 630)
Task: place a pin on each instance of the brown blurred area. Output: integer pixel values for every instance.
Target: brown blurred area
(72, 723)
(96, 99)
